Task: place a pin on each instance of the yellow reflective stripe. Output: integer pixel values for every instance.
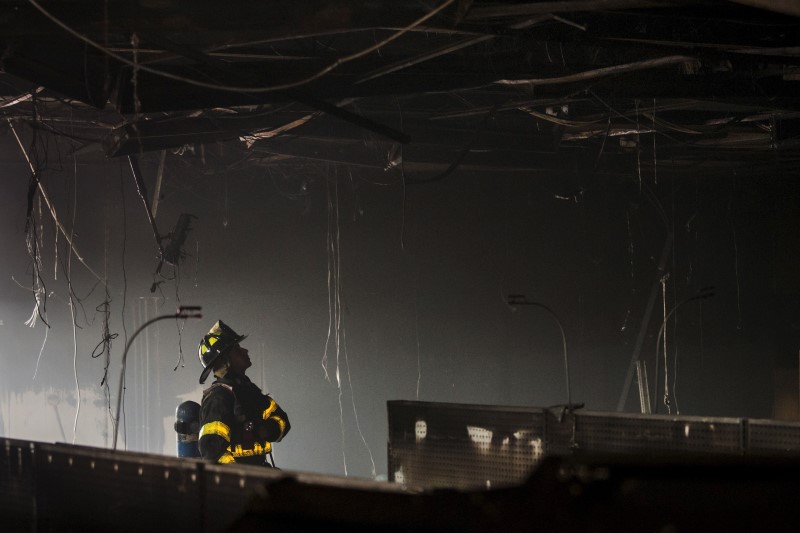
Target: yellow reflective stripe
(216, 428)
(258, 449)
(269, 410)
(226, 458)
(281, 423)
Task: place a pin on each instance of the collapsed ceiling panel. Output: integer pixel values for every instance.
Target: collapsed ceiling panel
(674, 84)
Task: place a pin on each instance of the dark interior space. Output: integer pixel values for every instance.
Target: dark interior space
(360, 187)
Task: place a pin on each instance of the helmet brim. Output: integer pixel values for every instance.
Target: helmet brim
(207, 370)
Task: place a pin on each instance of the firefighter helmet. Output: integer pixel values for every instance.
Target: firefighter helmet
(215, 343)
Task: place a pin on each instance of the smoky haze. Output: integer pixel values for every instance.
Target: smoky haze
(355, 289)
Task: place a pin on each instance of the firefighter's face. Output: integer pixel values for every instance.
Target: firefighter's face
(240, 359)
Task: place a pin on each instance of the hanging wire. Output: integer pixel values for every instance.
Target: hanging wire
(655, 159)
(674, 397)
(115, 419)
(72, 299)
(41, 350)
(353, 401)
(179, 324)
(103, 348)
(404, 183)
(329, 251)
(33, 242)
(638, 148)
(667, 402)
(43, 193)
(33, 236)
(338, 261)
(702, 294)
(338, 304)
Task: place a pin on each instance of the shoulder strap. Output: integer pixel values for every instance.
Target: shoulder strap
(217, 385)
(225, 385)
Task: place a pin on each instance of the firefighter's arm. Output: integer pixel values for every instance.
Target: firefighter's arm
(274, 422)
(216, 416)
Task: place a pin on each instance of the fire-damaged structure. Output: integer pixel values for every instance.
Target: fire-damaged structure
(602, 190)
(515, 85)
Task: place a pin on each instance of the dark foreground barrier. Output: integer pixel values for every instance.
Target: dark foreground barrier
(547, 470)
(562, 495)
(59, 487)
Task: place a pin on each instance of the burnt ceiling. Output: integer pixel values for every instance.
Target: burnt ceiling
(600, 86)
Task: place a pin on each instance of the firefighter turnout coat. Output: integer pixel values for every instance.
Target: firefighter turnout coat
(239, 423)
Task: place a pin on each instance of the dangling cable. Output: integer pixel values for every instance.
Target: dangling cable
(703, 294)
(104, 346)
(55, 254)
(114, 420)
(338, 310)
(334, 294)
(655, 159)
(404, 185)
(38, 288)
(41, 350)
(667, 402)
(328, 255)
(178, 324)
(416, 337)
(338, 263)
(353, 400)
(638, 147)
(43, 194)
(72, 298)
(674, 396)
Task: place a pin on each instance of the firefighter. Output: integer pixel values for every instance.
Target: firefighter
(238, 423)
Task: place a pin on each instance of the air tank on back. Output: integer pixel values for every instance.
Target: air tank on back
(187, 426)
